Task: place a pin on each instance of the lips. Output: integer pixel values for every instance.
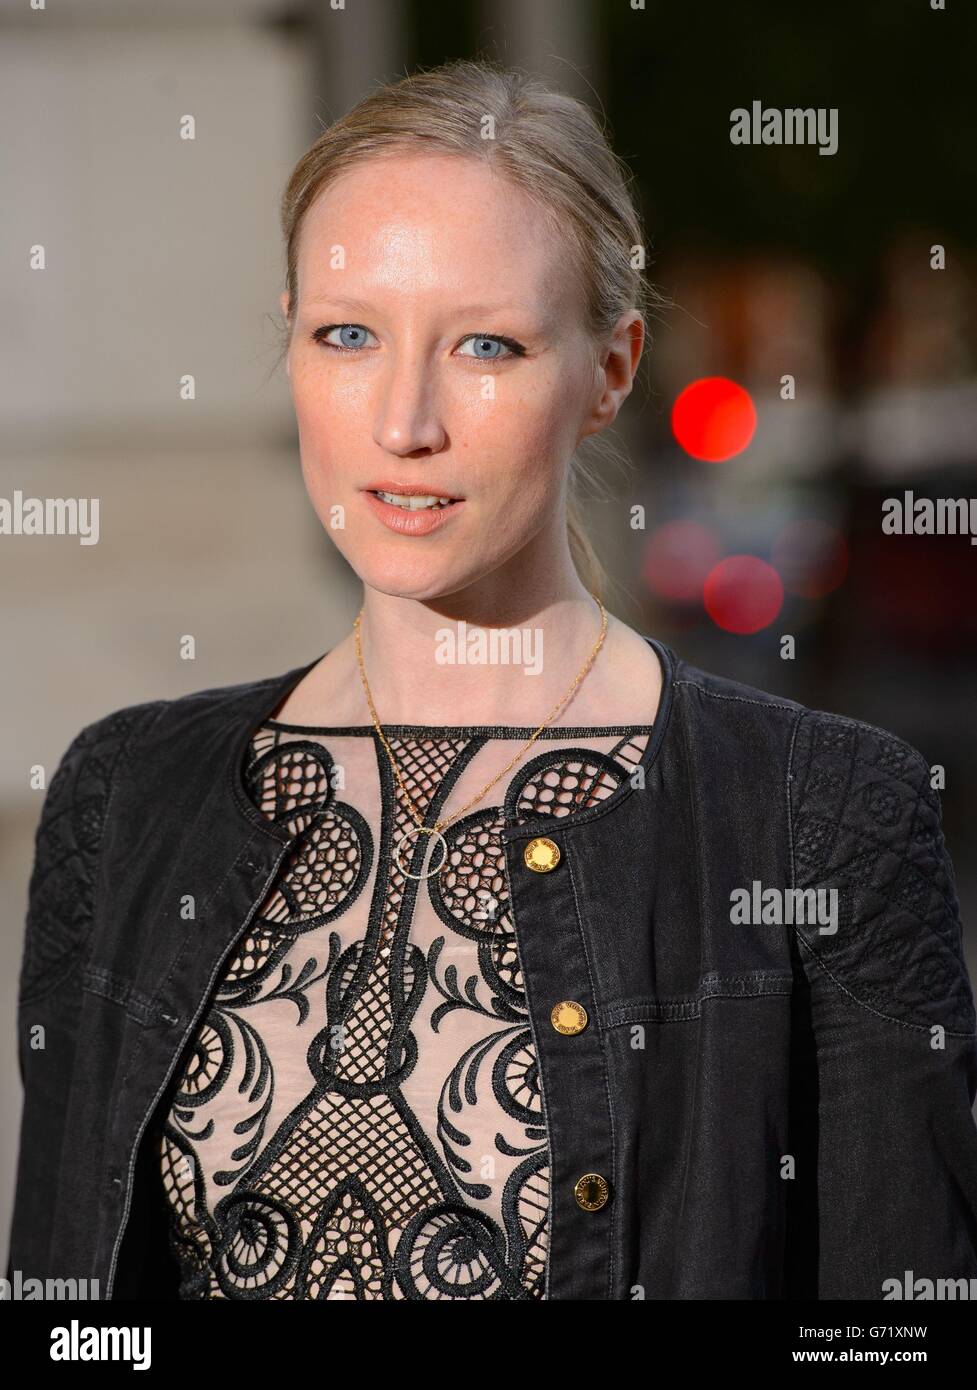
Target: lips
(391, 487)
(412, 513)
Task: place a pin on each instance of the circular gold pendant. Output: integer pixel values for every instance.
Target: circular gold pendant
(409, 835)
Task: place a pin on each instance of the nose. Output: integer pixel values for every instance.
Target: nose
(408, 419)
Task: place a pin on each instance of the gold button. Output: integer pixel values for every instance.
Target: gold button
(569, 1017)
(591, 1191)
(542, 855)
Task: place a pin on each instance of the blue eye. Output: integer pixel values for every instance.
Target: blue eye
(492, 341)
(352, 336)
(488, 347)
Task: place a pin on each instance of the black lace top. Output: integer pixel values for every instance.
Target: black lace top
(361, 1113)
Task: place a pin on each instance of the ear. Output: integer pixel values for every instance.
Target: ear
(616, 371)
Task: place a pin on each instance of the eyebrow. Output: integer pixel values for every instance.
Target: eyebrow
(364, 306)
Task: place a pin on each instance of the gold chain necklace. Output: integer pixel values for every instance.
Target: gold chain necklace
(420, 828)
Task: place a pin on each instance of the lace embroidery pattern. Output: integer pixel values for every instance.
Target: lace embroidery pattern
(360, 1115)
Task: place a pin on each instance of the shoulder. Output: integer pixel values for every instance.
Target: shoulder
(867, 824)
(67, 842)
(708, 687)
(78, 790)
(165, 733)
(198, 709)
(84, 788)
(734, 734)
(816, 735)
(864, 820)
(837, 769)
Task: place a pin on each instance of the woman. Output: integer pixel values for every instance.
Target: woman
(345, 998)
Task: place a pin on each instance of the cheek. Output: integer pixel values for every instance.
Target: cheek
(530, 432)
(329, 407)
(331, 415)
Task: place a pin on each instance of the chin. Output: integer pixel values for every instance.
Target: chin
(418, 580)
(398, 583)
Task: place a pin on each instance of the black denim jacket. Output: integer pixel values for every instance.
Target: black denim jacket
(778, 1111)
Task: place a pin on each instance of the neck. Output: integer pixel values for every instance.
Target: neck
(504, 651)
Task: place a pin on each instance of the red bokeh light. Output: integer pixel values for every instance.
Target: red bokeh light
(811, 558)
(713, 419)
(743, 594)
(677, 559)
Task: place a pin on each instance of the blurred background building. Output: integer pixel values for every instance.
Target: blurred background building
(163, 258)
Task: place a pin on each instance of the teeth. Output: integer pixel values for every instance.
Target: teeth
(414, 504)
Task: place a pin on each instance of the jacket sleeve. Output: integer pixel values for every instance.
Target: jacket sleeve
(60, 919)
(884, 1052)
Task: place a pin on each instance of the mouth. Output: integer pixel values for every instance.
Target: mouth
(410, 509)
(413, 502)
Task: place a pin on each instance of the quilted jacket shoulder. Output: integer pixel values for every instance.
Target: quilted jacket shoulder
(61, 893)
(62, 888)
(863, 819)
(867, 822)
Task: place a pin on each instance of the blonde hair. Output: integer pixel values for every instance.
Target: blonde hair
(549, 145)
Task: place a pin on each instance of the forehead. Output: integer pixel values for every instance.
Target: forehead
(433, 225)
